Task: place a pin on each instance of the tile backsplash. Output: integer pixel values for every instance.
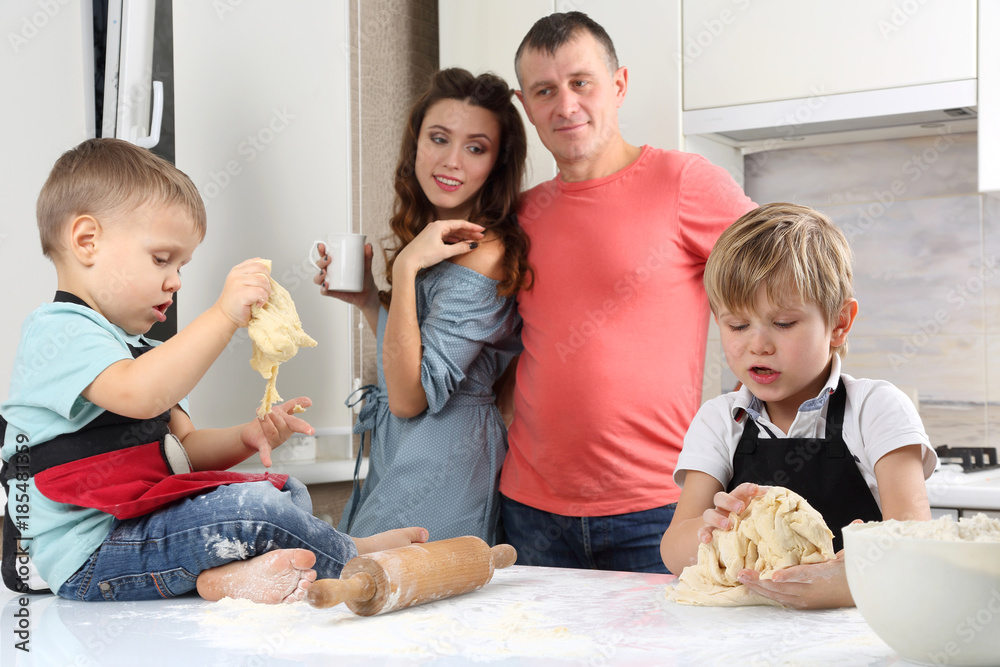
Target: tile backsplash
(927, 258)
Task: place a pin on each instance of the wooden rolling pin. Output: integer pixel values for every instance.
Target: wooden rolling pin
(382, 581)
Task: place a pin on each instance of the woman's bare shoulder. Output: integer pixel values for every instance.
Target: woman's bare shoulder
(487, 258)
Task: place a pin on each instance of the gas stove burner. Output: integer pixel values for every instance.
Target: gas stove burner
(970, 458)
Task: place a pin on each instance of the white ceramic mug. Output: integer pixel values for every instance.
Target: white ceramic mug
(346, 272)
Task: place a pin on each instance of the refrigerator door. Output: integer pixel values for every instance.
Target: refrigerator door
(262, 127)
(129, 59)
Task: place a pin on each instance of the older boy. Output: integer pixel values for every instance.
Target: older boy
(779, 282)
(122, 498)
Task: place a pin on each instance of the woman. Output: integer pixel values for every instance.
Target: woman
(448, 326)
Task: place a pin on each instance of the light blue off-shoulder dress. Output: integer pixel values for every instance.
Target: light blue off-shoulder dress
(441, 469)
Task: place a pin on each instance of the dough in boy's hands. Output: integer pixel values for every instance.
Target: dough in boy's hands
(774, 531)
(276, 334)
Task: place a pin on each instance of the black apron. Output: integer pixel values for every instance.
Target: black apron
(821, 470)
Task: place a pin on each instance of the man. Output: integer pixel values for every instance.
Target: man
(616, 321)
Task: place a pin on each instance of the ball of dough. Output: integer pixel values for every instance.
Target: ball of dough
(774, 531)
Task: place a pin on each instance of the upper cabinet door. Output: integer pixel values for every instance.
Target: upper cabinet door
(742, 52)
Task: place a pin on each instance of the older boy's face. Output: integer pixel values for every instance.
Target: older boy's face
(781, 353)
(137, 269)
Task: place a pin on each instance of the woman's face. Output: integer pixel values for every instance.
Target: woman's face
(456, 150)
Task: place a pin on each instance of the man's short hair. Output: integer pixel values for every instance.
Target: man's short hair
(552, 31)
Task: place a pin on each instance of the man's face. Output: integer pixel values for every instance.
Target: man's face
(572, 99)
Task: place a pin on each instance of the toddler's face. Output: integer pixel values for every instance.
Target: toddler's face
(780, 352)
(137, 266)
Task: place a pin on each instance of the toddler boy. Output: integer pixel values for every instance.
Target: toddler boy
(122, 497)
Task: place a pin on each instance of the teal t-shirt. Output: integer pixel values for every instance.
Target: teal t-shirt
(63, 348)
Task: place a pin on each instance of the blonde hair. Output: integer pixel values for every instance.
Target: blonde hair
(103, 176)
(787, 249)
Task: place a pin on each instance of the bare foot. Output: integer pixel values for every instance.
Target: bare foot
(390, 539)
(277, 576)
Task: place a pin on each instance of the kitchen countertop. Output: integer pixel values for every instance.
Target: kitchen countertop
(979, 490)
(525, 616)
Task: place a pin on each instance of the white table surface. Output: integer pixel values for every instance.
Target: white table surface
(525, 616)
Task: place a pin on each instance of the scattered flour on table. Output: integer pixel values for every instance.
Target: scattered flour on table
(483, 634)
(979, 528)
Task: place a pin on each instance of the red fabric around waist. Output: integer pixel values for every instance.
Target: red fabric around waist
(131, 482)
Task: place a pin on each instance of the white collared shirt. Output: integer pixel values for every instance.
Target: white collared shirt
(878, 418)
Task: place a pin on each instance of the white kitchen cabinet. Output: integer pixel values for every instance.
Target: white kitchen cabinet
(741, 52)
(482, 35)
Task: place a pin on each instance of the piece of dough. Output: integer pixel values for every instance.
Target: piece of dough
(276, 334)
(774, 531)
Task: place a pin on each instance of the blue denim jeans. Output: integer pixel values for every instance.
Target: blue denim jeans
(160, 555)
(627, 542)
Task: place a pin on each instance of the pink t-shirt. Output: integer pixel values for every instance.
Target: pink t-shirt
(614, 333)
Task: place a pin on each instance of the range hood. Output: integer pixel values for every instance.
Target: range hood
(849, 116)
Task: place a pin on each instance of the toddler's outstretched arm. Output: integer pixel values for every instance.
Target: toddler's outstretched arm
(220, 449)
(153, 383)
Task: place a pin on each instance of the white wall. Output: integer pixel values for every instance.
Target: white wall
(46, 73)
(263, 129)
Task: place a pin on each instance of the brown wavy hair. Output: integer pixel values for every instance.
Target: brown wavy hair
(495, 205)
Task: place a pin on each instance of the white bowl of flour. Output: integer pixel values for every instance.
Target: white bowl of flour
(929, 589)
